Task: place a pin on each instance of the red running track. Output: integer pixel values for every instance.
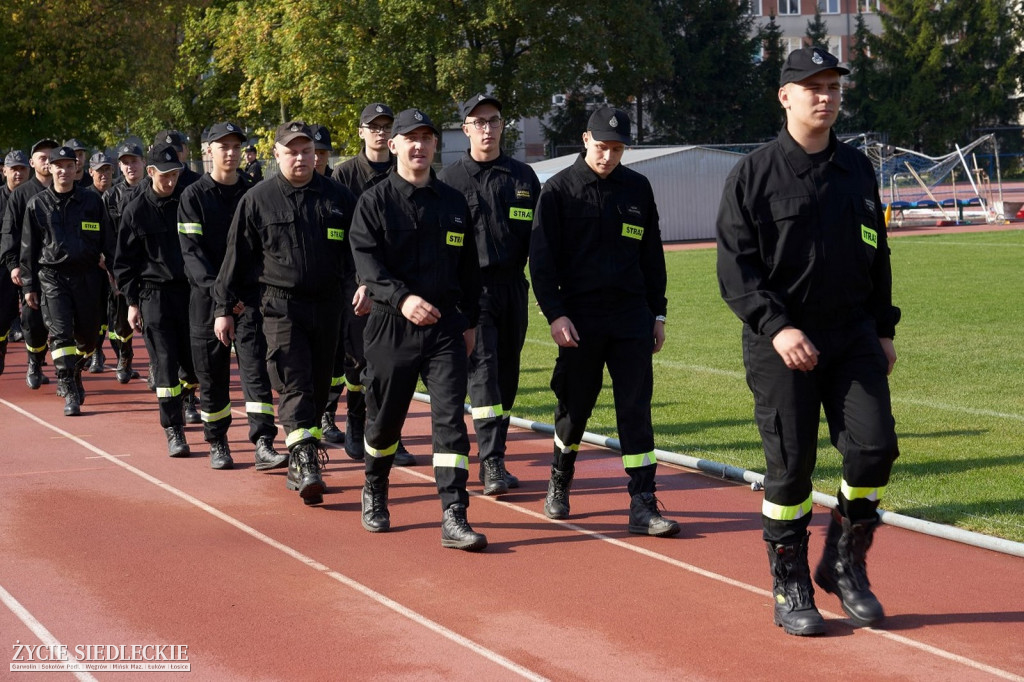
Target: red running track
(104, 540)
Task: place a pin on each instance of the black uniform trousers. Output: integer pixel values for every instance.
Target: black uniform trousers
(850, 383)
(302, 336)
(166, 332)
(71, 310)
(34, 327)
(398, 353)
(8, 304)
(117, 322)
(495, 361)
(349, 362)
(212, 361)
(625, 344)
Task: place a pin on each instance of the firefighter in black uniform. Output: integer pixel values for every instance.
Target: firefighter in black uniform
(323, 147)
(16, 171)
(598, 272)
(803, 261)
(180, 144)
(502, 194)
(370, 166)
(293, 230)
(10, 246)
(413, 243)
(150, 271)
(204, 216)
(253, 165)
(82, 176)
(133, 170)
(101, 171)
(65, 239)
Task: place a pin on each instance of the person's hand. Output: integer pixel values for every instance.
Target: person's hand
(135, 318)
(239, 307)
(564, 332)
(470, 336)
(224, 329)
(32, 300)
(16, 277)
(795, 349)
(361, 302)
(659, 335)
(419, 312)
(890, 353)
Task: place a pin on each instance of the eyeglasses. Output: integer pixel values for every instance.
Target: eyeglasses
(378, 130)
(483, 123)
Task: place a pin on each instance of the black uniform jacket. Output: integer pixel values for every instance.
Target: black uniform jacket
(358, 175)
(14, 217)
(596, 244)
(116, 200)
(66, 232)
(417, 240)
(204, 219)
(502, 197)
(804, 245)
(148, 252)
(293, 239)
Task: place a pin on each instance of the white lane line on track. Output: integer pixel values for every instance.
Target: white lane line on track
(459, 639)
(37, 628)
(899, 639)
(381, 599)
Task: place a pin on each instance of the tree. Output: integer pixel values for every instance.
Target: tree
(817, 29)
(860, 101)
(565, 126)
(946, 70)
(764, 115)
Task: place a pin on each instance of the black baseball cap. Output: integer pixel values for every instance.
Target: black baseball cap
(411, 119)
(63, 153)
(476, 100)
(16, 158)
(321, 137)
(171, 137)
(76, 144)
(218, 131)
(128, 149)
(251, 148)
(43, 144)
(164, 157)
(372, 111)
(609, 124)
(292, 130)
(808, 61)
(99, 160)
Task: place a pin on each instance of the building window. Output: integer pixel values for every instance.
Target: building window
(835, 46)
(828, 6)
(789, 7)
(867, 6)
(792, 44)
(754, 8)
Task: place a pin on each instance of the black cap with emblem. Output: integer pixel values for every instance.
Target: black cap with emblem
(292, 130)
(321, 137)
(64, 153)
(609, 124)
(164, 157)
(808, 61)
(372, 111)
(411, 119)
(218, 131)
(476, 100)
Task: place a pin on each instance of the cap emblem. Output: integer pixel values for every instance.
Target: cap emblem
(613, 122)
(168, 157)
(379, 109)
(817, 58)
(230, 127)
(168, 139)
(317, 136)
(294, 128)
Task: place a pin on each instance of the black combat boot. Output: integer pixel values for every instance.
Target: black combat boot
(79, 386)
(330, 431)
(220, 454)
(456, 532)
(376, 517)
(645, 519)
(3, 355)
(125, 373)
(556, 505)
(492, 476)
(843, 569)
(304, 472)
(34, 377)
(792, 590)
(98, 360)
(267, 457)
(188, 406)
(66, 389)
(177, 446)
(403, 458)
(354, 445)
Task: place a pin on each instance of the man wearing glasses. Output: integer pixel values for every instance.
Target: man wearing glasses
(360, 173)
(502, 194)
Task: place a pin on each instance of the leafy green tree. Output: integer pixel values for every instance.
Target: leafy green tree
(764, 116)
(860, 101)
(817, 29)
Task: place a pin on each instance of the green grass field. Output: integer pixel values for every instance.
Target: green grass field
(958, 386)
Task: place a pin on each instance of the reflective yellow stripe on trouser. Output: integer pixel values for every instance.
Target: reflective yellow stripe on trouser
(259, 408)
(487, 412)
(641, 460)
(851, 493)
(562, 447)
(781, 512)
(299, 435)
(450, 459)
(185, 384)
(216, 416)
(33, 349)
(389, 451)
(114, 336)
(353, 388)
(63, 352)
(337, 381)
(165, 392)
